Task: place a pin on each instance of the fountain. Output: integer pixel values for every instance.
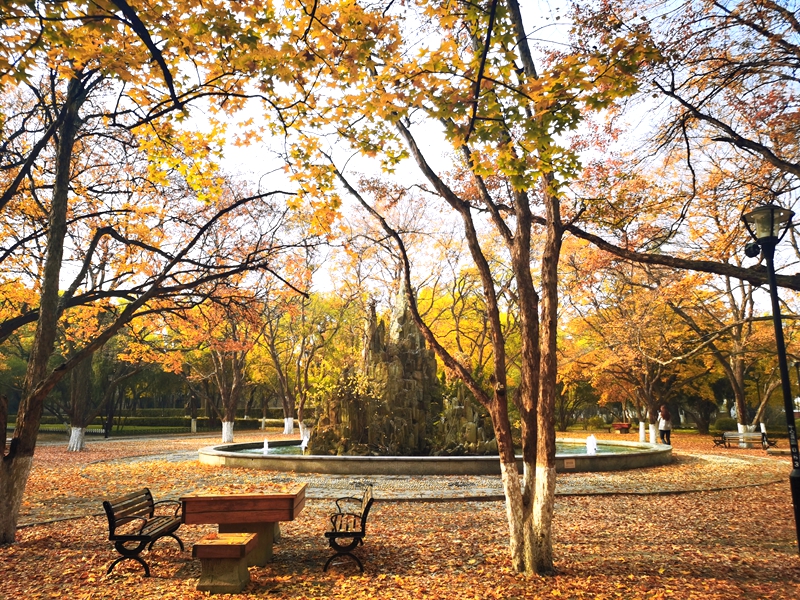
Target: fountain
(591, 445)
(571, 457)
(387, 405)
(395, 408)
(304, 442)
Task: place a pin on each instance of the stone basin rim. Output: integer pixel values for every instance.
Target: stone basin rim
(646, 455)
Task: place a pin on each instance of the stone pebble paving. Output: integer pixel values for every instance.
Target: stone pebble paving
(689, 472)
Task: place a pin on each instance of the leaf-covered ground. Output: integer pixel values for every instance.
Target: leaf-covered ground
(726, 543)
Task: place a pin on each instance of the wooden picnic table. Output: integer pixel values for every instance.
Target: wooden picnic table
(246, 513)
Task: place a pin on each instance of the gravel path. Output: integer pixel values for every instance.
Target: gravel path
(689, 472)
(69, 485)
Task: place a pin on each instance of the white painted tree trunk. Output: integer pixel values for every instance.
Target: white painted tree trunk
(13, 476)
(194, 426)
(642, 437)
(542, 518)
(521, 552)
(263, 424)
(77, 439)
(288, 425)
(653, 433)
(227, 432)
(743, 428)
(305, 431)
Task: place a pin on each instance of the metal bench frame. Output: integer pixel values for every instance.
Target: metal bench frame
(139, 508)
(350, 526)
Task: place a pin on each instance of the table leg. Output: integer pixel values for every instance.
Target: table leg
(263, 552)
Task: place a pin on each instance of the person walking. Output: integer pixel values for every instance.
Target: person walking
(665, 425)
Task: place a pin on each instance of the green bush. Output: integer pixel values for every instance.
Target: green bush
(596, 423)
(777, 422)
(202, 422)
(155, 412)
(159, 413)
(724, 424)
(159, 421)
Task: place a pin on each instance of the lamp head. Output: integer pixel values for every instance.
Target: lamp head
(767, 223)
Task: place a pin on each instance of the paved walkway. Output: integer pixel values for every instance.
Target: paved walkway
(177, 473)
(690, 472)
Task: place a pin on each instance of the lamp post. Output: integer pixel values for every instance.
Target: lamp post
(797, 368)
(767, 225)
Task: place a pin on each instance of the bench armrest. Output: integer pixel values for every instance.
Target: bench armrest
(175, 503)
(346, 499)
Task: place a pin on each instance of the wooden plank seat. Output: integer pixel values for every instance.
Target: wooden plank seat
(747, 437)
(348, 528)
(133, 525)
(223, 561)
(621, 427)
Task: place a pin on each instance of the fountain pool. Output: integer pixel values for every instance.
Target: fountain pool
(571, 457)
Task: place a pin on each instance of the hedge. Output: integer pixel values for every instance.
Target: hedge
(179, 424)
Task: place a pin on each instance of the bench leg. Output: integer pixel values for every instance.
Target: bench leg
(223, 575)
(350, 554)
(172, 535)
(130, 553)
(345, 550)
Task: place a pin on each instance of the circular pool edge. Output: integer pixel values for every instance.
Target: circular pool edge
(645, 455)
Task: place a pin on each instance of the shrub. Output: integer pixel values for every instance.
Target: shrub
(596, 423)
(724, 424)
(777, 422)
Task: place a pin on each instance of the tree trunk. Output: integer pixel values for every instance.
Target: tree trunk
(109, 424)
(762, 406)
(230, 391)
(16, 465)
(3, 423)
(740, 400)
(79, 390)
(77, 439)
(519, 534)
(545, 474)
(13, 477)
(227, 432)
(516, 513)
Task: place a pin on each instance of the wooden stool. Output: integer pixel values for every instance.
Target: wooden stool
(223, 558)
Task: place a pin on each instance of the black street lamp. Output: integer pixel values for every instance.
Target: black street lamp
(767, 225)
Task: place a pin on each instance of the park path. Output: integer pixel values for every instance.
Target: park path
(70, 485)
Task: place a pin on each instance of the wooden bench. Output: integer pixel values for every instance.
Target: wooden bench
(223, 561)
(133, 525)
(621, 427)
(350, 527)
(747, 437)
